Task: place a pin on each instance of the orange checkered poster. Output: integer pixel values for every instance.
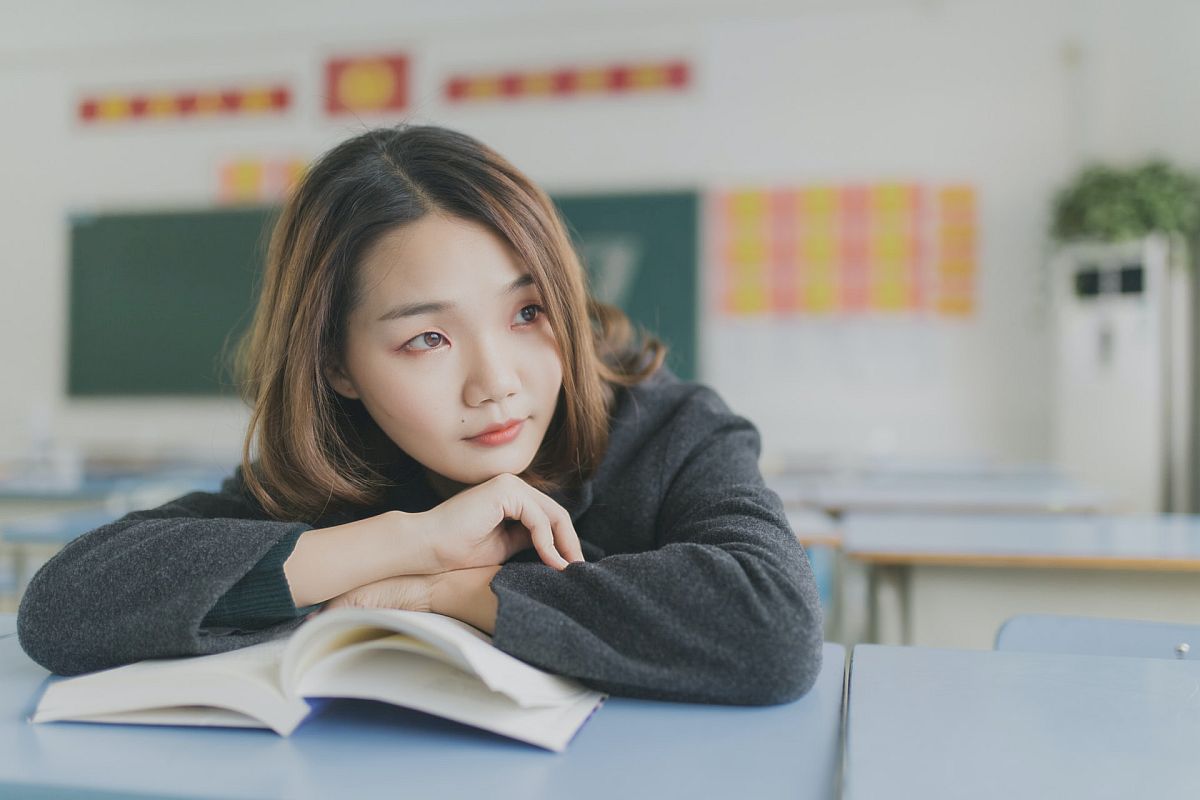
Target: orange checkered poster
(846, 249)
(366, 84)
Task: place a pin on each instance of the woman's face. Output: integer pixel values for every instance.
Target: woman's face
(448, 343)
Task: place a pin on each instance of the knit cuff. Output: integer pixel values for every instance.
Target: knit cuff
(262, 597)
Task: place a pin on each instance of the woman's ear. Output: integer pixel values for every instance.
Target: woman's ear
(340, 381)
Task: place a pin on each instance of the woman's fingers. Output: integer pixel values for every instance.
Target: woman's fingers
(533, 517)
(566, 540)
(515, 537)
(554, 537)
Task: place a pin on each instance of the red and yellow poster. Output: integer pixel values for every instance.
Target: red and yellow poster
(611, 79)
(846, 249)
(366, 84)
(103, 107)
(256, 180)
(954, 268)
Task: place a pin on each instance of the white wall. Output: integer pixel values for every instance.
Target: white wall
(1009, 96)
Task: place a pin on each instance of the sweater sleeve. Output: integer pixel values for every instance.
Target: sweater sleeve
(262, 597)
(723, 610)
(158, 583)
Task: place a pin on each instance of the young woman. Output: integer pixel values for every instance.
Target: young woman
(444, 421)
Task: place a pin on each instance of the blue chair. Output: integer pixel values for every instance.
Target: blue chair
(1048, 633)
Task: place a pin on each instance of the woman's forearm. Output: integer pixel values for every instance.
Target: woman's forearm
(327, 562)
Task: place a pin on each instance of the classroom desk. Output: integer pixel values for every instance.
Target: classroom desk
(932, 493)
(629, 748)
(958, 577)
(95, 502)
(20, 498)
(1134, 638)
(822, 540)
(931, 724)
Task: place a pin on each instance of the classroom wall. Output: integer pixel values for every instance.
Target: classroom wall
(1008, 96)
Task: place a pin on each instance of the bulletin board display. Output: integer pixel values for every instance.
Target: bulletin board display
(158, 300)
(846, 249)
(641, 253)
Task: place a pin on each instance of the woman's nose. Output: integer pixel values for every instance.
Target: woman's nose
(492, 376)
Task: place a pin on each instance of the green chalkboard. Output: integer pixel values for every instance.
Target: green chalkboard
(158, 299)
(641, 254)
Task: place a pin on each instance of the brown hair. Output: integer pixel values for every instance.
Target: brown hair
(318, 450)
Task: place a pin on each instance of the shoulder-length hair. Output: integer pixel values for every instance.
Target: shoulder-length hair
(318, 451)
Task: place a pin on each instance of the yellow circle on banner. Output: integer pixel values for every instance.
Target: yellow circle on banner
(256, 100)
(113, 107)
(366, 84)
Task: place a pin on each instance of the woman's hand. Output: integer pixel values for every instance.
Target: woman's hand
(464, 594)
(408, 592)
(486, 524)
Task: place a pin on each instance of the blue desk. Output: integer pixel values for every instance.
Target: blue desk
(99, 500)
(98, 488)
(969, 493)
(357, 749)
(1052, 633)
(998, 566)
(933, 724)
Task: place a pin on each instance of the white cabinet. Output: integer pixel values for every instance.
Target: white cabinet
(1122, 370)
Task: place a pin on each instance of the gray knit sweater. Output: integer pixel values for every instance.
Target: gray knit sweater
(694, 587)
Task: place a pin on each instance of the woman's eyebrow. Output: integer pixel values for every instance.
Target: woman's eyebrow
(404, 310)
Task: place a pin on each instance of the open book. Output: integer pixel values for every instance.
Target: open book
(424, 661)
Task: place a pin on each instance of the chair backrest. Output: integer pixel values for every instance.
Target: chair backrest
(1049, 633)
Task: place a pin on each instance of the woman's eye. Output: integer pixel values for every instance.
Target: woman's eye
(426, 341)
(529, 313)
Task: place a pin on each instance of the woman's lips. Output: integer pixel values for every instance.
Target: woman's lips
(499, 437)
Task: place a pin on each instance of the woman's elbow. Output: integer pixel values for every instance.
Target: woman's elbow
(784, 667)
(48, 630)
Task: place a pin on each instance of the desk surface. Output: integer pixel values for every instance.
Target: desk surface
(966, 723)
(1014, 493)
(1056, 633)
(121, 495)
(1144, 542)
(629, 748)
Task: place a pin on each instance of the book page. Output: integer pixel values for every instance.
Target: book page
(401, 677)
(244, 681)
(451, 641)
(205, 716)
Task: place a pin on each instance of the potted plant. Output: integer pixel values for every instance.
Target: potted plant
(1112, 205)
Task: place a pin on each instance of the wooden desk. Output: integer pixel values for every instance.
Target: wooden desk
(630, 748)
(958, 577)
(930, 724)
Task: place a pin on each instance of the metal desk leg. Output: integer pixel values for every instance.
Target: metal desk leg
(891, 581)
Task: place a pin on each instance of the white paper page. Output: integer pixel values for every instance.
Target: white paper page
(180, 715)
(460, 643)
(243, 681)
(427, 685)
